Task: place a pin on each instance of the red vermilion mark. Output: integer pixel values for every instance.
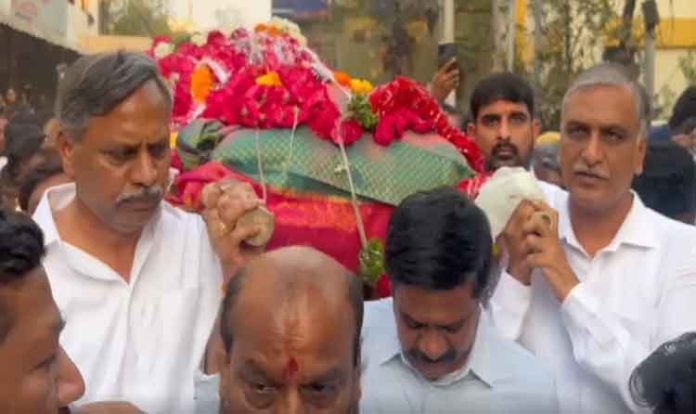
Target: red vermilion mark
(292, 369)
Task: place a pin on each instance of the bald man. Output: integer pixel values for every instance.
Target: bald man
(291, 324)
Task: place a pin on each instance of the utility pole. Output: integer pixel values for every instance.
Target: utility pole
(511, 34)
(652, 19)
(448, 21)
(448, 30)
(498, 23)
(538, 35)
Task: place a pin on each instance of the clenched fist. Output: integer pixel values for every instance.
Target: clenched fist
(239, 226)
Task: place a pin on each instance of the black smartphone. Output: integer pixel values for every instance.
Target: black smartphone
(447, 52)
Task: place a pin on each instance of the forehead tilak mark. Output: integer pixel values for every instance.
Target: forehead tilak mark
(292, 369)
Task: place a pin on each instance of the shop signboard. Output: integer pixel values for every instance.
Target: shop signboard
(46, 19)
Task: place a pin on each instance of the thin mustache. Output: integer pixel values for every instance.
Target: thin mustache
(147, 194)
(449, 357)
(589, 171)
(506, 145)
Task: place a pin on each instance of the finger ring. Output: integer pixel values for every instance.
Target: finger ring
(223, 229)
(545, 217)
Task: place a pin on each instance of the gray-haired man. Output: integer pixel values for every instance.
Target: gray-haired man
(599, 280)
(137, 281)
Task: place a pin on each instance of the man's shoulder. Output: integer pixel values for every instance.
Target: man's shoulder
(377, 314)
(671, 233)
(554, 195)
(378, 335)
(175, 218)
(517, 363)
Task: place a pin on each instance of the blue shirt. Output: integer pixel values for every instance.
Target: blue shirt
(499, 377)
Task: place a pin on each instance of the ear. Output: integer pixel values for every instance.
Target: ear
(536, 129)
(66, 147)
(640, 156)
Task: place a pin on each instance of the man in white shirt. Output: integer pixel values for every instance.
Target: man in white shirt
(432, 349)
(137, 281)
(598, 280)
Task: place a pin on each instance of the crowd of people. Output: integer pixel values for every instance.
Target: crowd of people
(110, 298)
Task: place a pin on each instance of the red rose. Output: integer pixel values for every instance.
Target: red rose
(349, 131)
(383, 288)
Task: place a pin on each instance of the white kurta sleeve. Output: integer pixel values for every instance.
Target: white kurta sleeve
(606, 347)
(509, 306)
(676, 315)
(600, 343)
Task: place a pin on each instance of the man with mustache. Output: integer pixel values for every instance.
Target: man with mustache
(137, 281)
(291, 324)
(503, 123)
(431, 348)
(595, 279)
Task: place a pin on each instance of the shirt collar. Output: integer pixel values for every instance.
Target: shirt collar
(57, 198)
(481, 362)
(636, 230)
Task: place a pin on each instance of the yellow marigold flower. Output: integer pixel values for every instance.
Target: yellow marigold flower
(269, 80)
(361, 87)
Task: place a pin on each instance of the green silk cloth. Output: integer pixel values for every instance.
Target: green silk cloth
(307, 164)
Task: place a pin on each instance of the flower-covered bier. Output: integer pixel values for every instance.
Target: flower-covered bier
(330, 154)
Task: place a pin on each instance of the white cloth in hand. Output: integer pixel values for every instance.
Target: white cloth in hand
(501, 195)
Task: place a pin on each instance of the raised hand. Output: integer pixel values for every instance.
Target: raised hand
(542, 249)
(446, 80)
(239, 226)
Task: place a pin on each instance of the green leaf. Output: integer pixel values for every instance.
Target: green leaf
(360, 110)
(372, 262)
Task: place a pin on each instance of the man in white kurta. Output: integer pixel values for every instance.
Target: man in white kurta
(610, 280)
(142, 341)
(137, 281)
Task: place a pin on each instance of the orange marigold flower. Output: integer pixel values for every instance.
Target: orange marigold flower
(274, 32)
(343, 79)
(201, 84)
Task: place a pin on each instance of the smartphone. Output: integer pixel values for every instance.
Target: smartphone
(446, 52)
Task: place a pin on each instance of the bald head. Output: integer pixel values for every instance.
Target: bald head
(291, 290)
(291, 324)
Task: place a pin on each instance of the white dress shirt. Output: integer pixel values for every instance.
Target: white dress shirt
(635, 294)
(499, 377)
(143, 341)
